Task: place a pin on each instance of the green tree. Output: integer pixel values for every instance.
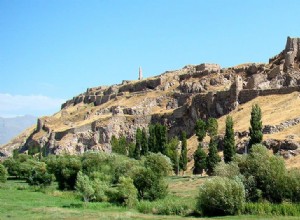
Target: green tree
(160, 164)
(144, 142)
(138, 144)
(199, 160)
(149, 185)
(173, 154)
(84, 186)
(152, 142)
(200, 130)
(3, 173)
(126, 192)
(221, 196)
(229, 143)
(256, 134)
(212, 158)
(212, 127)
(65, 169)
(183, 156)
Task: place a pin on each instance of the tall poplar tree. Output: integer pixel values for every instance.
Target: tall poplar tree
(144, 142)
(229, 149)
(256, 134)
(212, 158)
(200, 130)
(199, 160)
(183, 155)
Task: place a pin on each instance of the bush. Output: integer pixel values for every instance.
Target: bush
(268, 172)
(160, 164)
(293, 185)
(39, 176)
(149, 185)
(127, 193)
(221, 196)
(65, 169)
(3, 174)
(12, 166)
(229, 170)
(100, 188)
(84, 186)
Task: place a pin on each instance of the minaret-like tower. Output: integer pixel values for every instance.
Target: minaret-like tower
(140, 73)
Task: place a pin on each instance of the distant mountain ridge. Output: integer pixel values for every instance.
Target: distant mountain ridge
(11, 127)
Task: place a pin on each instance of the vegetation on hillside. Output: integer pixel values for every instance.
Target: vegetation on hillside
(136, 174)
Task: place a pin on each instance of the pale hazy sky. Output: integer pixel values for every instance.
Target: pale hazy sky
(53, 50)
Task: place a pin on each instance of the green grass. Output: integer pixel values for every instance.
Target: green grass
(19, 201)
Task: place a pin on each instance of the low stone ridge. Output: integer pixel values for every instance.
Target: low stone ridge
(176, 99)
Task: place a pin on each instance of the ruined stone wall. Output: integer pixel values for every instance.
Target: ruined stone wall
(248, 94)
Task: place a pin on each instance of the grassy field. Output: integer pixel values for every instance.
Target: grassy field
(19, 201)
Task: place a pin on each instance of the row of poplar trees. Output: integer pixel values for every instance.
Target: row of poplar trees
(207, 162)
(156, 141)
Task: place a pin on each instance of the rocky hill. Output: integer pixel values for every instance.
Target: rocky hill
(177, 99)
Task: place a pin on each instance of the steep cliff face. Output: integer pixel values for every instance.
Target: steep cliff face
(175, 98)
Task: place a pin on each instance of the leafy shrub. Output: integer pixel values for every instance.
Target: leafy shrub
(149, 185)
(39, 176)
(65, 169)
(229, 170)
(84, 186)
(12, 166)
(221, 196)
(127, 193)
(160, 164)
(268, 173)
(3, 173)
(100, 190)
(293, 185)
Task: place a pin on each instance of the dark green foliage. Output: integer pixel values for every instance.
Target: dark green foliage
(12, 166)
(126, 193)
(256, 134)
(65, 169)
(119, 146)
(212, 127)
(138, 144)
(199, 160)
(264, 175)
(84, 186)
(149, 185)
(229, 143)
(212, 158)
(173, 154)
(293, 185)
(39, 178)
(122, 146)
(221, 196)
(144, 142)
(158, 163)
(34, 149)
(157, 138)
(152, 145)
(200, 130)
(183, 156)
(3, 173)
(149, 180)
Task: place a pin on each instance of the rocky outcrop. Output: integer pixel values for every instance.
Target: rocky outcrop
(271, 129)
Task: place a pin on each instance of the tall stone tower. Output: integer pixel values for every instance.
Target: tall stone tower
(140, 73)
